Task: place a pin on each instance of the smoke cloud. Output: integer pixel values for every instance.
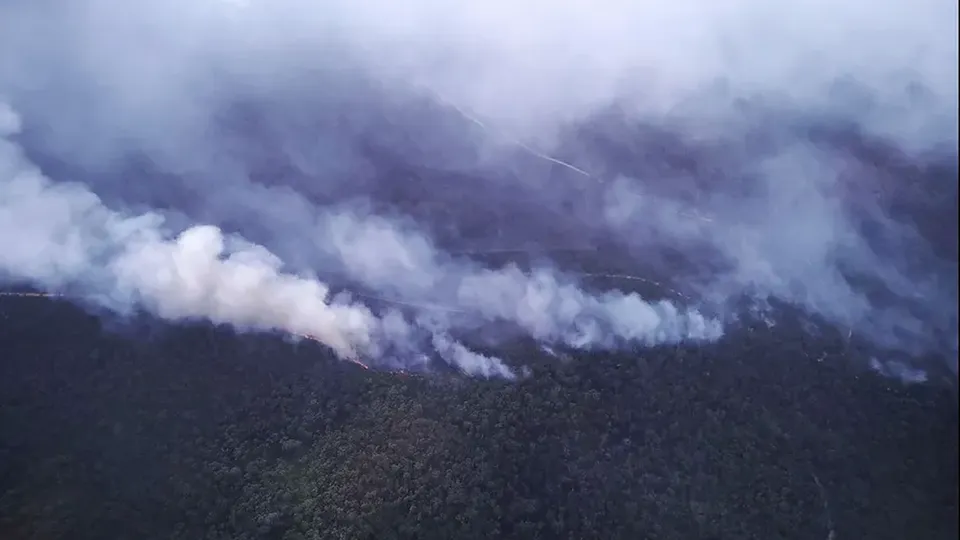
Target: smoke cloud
(60, 235)
(588, 176)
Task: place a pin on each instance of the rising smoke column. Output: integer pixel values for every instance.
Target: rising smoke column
(60, 235)
(749, 78)
(795, 235)
(379, 254)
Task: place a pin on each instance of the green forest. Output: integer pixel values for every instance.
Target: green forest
(141, 431)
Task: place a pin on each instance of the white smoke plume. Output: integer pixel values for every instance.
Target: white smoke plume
(802, 153)
(57, 235)
(546, 305)
(60, 234)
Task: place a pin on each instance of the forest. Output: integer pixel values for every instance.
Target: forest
(139, 430)
(479, 270)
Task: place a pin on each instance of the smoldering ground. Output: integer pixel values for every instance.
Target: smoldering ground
(485, 163)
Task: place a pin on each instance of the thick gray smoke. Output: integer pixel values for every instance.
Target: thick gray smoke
(60, 235)
(800, 154)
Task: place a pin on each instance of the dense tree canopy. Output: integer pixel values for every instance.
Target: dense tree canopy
(142, 431)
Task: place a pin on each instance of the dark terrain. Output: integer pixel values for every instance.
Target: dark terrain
(145, 431)
(141, 430)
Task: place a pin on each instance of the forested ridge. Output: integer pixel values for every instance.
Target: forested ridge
(145, 431)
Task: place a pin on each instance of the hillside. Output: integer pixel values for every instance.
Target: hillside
(145, 431)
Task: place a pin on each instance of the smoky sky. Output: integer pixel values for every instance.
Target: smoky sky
(397, 179)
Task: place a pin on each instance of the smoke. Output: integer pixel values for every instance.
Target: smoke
(60, 235)
(800, 154)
